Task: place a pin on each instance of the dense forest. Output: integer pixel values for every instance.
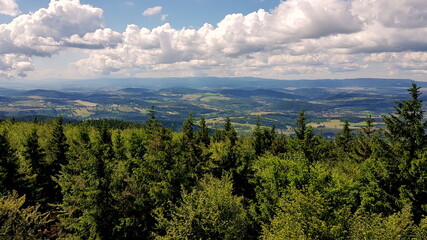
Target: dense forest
(108, 180)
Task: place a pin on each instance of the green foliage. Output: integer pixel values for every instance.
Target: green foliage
(36, 176)
(363, 143)
(270, 181)
(19, 222)
(263, 138)
(345, 137)
(375, 226)
(203, 133)
(8, 166)
(304, 214)
(101, 181)
(209, 211)
(406, 129)
(87, 201)
(305, 140)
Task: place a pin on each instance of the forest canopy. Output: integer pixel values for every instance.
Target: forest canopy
(95, 180)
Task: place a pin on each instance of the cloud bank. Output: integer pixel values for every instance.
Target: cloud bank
(297, 37)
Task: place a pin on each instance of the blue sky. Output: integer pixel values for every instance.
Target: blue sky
(181, 13)
(293, 39)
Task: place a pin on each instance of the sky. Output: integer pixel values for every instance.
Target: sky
(293, 39)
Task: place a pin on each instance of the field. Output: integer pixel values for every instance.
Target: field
(326, 105)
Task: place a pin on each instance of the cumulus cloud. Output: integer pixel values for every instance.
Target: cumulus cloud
(13, 64)
(152, 11)
(297, 37)
(101, 38)
(236, 39)
(49, 30)
(9, 7)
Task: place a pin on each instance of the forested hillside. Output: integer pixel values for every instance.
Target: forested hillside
(94, 180)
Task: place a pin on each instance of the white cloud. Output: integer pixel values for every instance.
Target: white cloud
(236, 37)
(164, 17)
(49, 30)
(152, 11)
(14, 65)
(99, 39)
(9, 7)
(308, 37)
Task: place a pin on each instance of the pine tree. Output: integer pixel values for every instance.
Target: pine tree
(56, 152)
(257, 133)
(301, 130)
(279, 144)
(230, 132)
(8, 166)
(191, 152)
(57, 147)
(263, 138)
(406, 132)
(85, 183)
(345, 137)
(406, 128)
(37, 175)
(188, 130)
(306, 139)
(119, 148)
(203, 133)
(363, 143)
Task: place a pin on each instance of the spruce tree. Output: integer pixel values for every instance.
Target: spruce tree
(85, 182)
(8, 166)
(203, 133)
(230, 132)
(345, 137)
(363, 142)
(306, 139)
(36, 175)
(56, 157)
(406, 128)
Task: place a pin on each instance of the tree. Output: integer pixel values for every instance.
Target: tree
(406, 128)
(20, 222)
(191, 152)
(263, 138)
(363, 143)
(56, 157)
(302, 131)
(406, 132)
(209, 211)
(279, 144)
(203, 133)
(306, 140)
(8, 166)
(137, 146)
(305, 214)
(230, 132)
(85, 183)
(56, 152)
(375, 226)
(36, 176)
(119, 148)
(345, 137)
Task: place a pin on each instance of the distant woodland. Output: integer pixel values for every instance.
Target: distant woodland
(104, 179)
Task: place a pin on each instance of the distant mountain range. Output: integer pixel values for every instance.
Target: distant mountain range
(245, 100)
(204, 83)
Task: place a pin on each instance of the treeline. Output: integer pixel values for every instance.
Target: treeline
(97, 181)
